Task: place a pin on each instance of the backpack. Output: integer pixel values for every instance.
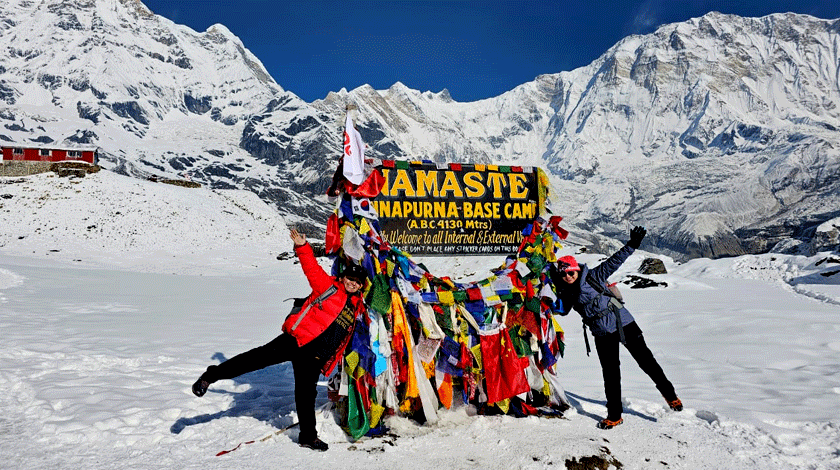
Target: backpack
(614, 307)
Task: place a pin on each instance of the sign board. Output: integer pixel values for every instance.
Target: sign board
(456, 209)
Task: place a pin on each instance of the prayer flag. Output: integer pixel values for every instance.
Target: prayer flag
(354, 153)
(504, 370)
(363, 207)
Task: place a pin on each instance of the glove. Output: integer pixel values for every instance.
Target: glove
(636, 236)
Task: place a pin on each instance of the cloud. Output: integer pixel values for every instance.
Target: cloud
(647, 17)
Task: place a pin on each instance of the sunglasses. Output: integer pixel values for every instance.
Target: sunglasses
(354, 281)
(568, 273)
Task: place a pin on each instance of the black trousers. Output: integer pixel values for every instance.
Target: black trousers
(307, 369)
(607, 347)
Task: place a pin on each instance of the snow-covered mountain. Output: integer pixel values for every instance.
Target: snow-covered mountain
(158, 98)
(720, 134)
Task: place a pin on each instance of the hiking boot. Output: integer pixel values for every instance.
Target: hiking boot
(607, 423)
(675, 404)
(314, 444)
(199, 388)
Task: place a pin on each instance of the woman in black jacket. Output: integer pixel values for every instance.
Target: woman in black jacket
(611, 323)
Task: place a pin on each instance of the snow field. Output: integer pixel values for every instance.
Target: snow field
(104, 336)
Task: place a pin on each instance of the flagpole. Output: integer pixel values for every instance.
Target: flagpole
(347, 108)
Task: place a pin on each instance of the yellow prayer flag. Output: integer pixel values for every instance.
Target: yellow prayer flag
(364, 228)
(376, 412)
(446, 297)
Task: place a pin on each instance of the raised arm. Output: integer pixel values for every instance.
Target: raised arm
(604, 270)
(318, 279)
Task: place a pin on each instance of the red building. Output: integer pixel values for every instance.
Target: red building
(50, 154)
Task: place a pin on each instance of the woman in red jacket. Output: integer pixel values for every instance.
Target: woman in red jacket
(313, 338)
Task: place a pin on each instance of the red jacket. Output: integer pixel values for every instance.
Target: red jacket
(314, 317)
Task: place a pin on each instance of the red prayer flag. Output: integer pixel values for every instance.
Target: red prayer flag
(504, 371)
(554, 222)
(370, 188)
(525, 318)
(332, 240)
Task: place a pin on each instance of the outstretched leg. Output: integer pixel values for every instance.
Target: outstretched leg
(280, 349)
(644, 357)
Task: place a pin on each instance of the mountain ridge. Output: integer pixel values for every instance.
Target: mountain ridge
(718, 133)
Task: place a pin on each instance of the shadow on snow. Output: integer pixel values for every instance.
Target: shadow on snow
(269, 398)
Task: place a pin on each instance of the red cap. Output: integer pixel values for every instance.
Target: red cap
(568, 264)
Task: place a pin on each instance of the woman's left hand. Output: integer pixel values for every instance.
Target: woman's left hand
(298, 238)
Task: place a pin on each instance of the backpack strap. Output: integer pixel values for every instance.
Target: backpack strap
(586, 340)
(318, 300)
(619, 326)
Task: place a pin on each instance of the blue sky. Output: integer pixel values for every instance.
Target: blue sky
(473, 49)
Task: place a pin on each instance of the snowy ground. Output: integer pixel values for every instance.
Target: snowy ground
(105, 329)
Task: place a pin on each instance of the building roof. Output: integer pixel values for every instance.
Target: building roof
(49, 147)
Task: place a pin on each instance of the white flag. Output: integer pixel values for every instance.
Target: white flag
(354, 153)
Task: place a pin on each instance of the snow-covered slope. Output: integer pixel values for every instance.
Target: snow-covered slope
(719, 133)
(107, 219)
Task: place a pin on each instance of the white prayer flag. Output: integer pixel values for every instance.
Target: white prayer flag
(354, 153)
(363, 207)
